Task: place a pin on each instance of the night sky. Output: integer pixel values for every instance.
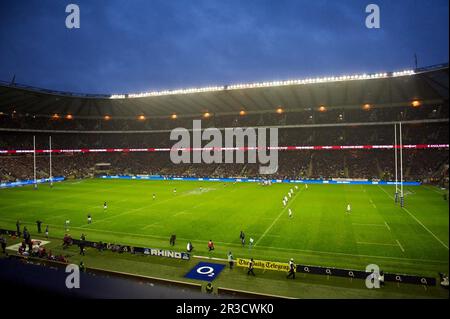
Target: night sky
(134, 46)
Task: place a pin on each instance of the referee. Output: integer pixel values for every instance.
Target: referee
(291, 272)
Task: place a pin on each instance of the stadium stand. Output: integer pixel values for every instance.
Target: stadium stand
(98, 122)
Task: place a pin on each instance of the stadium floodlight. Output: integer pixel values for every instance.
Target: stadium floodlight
(366, 107)
(326, 79)
(415, 103)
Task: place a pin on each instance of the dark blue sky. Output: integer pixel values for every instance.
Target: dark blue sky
(133, 46)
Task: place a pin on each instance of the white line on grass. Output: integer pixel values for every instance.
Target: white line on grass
(400, 245)
(239, 245)
(278, 217)
(387, 226)
(431, 188)
(374, 225)
(137, 209)
(370, 243)
(418, 221)
(212, 258)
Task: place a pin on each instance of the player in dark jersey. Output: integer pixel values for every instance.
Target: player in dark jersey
(242, 238)
(251, 265)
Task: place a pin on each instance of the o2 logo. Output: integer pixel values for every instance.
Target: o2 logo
(205, 271)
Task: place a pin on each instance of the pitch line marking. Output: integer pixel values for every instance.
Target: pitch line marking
(374, 225)
(183, 194)
(400, 245)
(387, 226)
(369, 243)
(278, 217)
(239, 245)
(434, 190)
(418, 221)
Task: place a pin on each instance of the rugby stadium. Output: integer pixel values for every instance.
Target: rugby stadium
(361, 186)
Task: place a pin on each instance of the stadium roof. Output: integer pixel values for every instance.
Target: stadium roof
(428, 85)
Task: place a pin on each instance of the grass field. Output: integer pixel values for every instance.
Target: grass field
(413, 240)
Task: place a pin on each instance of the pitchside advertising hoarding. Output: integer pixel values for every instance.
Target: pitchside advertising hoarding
(258, 180)
(207, 179)
(31, 182)
(329, 271)
(209, 271)
(278, 148)
(133, 250)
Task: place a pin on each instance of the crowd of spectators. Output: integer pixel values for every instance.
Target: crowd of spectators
(364, 164)
(288, 117)
(367, 164)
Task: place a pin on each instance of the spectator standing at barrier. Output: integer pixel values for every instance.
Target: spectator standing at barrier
(291, 269)
(251, 265)
(172, 240)
(39, 223)
(81, 245)
(209, 288)
(210, 245)
(444, 280)
(24, 232)
(381, 278)
(3, 244)
(189, 247)
(18, 228)
(230, 260)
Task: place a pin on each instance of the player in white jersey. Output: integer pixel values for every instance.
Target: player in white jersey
(285, 198)
(284, 203)
(349, 208)
(306, 186)
(67, 224)
(250, 243)
(296, 187)
(289, 194)
(290, 213)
